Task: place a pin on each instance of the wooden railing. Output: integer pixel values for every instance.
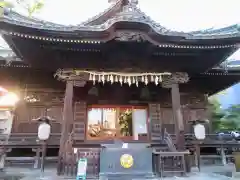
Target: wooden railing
(69, 166)
(27, 160)
(27, 139)
(165, 163)
(31, 139)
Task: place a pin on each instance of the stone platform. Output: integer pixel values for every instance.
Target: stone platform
(207, 173)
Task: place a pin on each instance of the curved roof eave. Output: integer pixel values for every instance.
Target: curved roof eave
(128, 14)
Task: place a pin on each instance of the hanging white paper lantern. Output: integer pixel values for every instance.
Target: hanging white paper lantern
(44, 131)
(199, 132)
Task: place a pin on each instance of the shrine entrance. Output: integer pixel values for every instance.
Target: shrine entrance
(106, 123)
(128, 123)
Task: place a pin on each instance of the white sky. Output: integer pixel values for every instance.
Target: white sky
(181, 15)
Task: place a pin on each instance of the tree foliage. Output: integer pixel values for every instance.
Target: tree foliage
(31, 6)
(224, 119)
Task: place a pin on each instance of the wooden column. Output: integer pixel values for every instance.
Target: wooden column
(67, 120)
(178, 117)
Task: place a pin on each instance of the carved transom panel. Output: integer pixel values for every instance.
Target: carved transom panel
(129, 36)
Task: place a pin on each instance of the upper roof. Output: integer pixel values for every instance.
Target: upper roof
(122, 15)
(161, 49)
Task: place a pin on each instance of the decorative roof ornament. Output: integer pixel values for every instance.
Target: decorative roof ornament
(129, 36)
(133, 2)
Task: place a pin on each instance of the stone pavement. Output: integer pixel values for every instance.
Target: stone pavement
(207, 173)
(32, 174)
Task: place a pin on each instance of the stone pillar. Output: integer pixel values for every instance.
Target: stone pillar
(67, 119)
(198, 157)
(173, 83)
(2, 158)
(37, 158)
(3, 154)
(223, 156)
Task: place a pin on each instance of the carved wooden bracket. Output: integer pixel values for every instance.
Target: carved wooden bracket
(175, 78)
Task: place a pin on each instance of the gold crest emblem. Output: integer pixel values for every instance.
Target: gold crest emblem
(126, 161)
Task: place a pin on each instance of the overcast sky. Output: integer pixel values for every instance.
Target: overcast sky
(181, 15)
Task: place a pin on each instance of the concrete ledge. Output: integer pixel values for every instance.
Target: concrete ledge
(236, 175)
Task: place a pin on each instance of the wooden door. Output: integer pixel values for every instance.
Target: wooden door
(168, 120)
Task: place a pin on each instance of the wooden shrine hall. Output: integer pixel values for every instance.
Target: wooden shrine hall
(117, 76)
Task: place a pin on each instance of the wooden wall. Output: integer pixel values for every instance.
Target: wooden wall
(161, 117)
(25, 114)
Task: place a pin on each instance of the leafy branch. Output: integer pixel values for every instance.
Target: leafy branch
(31, 6)
(224, 119)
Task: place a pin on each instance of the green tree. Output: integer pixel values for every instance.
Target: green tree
(224, 119)
(233, 116)
(216, 113)
(6, 4)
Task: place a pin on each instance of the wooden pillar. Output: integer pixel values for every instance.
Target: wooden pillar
(178, 117)
(67, 120)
